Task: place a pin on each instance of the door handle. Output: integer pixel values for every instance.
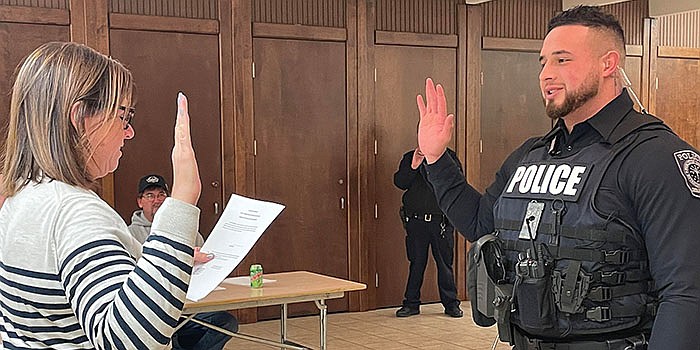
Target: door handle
(342, 203)
(216, 208)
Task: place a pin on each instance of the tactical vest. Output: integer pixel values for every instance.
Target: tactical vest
(574, 270)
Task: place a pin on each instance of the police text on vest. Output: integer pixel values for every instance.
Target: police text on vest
(547, 180)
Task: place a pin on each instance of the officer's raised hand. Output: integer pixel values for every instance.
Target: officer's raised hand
(435, 127)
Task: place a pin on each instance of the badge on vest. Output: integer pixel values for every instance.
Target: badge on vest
(689, 164)
(531, 222)
(548, 181)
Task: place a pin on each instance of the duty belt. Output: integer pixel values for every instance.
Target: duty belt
(638, 342)
(428, 217)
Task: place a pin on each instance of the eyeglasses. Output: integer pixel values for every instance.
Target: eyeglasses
(127, 116)
(153, 196)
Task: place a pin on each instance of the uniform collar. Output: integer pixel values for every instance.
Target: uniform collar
(608, 118)
(549, 139)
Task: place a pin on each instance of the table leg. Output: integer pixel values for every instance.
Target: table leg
(283, 323)
(321, 305)
(183, 322)
(288, 345)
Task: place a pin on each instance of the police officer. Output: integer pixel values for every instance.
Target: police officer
(595, 223)
(426, 226)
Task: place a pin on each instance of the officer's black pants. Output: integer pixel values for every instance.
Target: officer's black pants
(419, 236)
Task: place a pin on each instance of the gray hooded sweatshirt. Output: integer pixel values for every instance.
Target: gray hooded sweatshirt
(140, 228)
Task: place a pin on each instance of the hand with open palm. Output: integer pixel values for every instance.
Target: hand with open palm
(436, 126)
(187, 185)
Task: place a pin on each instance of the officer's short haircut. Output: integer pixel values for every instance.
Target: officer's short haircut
(592, 17)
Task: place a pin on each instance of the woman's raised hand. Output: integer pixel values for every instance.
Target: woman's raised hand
(187, 185)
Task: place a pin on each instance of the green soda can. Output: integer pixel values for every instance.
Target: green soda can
(256, 276)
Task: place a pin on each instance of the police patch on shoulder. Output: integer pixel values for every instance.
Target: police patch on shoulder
(689, 164)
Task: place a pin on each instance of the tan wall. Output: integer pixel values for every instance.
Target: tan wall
(565, 4)
(656, 7)
(664, 7)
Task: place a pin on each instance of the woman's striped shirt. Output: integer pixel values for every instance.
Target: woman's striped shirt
(72, 277)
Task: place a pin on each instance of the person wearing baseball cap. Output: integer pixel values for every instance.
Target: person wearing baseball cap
(152, 191)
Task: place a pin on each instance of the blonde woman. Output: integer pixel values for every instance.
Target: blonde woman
(71, 276)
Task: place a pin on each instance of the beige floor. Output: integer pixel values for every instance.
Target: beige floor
(379, 329)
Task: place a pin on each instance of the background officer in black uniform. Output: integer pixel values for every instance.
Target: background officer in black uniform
(426, 226)
(642, 199)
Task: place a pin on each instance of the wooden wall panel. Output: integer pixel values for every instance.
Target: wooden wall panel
(521, 19)
(528, 19)
(49, 4)
(631, 15)
(322, 13)
(365, 171)
(680, 30)
(417, 16)
(34, 15)
(200, 9)
(472, 112)
(162, 64)
(17, 40)
(678, 96)
(510, 96)
(299, 90)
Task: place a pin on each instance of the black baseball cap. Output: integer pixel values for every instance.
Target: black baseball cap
(152, 180)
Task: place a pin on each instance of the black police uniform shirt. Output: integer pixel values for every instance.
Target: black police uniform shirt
(656, 188)
(419, 197)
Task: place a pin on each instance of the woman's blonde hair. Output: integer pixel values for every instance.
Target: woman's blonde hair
(42, 140)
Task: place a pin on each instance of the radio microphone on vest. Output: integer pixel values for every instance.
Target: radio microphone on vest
(529, 267)
(529, 232)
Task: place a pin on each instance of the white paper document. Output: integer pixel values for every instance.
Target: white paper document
(241, 224)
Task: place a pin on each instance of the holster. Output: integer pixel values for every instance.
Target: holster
(486, 271)
(403, 216)
(503, 307)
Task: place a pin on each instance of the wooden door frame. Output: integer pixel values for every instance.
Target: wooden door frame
(366, 20)
(240, 129)
(85, 15)
(356, 238)
(469, 87)
(650, 41)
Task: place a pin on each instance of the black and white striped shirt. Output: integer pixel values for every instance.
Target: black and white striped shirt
(72, 277)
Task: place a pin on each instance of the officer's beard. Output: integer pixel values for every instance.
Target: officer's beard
(575, 99)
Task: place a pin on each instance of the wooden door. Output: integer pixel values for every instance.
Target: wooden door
(162, 65)
(512, 109)
(401, 74)
(300, 133)
(17, 40)
(678, 93)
